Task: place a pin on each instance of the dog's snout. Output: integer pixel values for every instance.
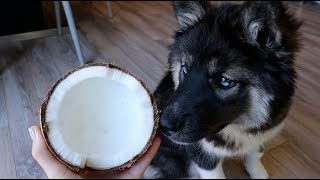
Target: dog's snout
(167, 124)
(172, 122)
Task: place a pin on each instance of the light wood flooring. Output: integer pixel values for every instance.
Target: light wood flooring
(136, 38)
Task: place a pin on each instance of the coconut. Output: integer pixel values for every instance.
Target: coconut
(98, 117)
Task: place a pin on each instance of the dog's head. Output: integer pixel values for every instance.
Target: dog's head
(230, 64)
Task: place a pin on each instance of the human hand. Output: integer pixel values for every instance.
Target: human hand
(55, 169)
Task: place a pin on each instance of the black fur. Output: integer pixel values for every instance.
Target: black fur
(244, 37)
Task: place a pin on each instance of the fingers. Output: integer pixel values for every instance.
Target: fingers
(141, 165)
(41, 153)
(135, 171)
(55, 169)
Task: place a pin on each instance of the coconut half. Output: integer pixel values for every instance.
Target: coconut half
(98, 117)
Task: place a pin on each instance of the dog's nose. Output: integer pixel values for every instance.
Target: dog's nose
(170, 125)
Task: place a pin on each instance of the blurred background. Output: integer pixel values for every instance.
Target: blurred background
(33, 56)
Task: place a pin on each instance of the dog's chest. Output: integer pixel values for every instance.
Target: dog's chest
(237, 142)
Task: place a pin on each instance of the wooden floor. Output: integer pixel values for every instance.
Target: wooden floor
(136, 38)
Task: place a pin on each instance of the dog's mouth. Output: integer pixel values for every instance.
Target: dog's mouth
(185, 139)
(185, 134)
(168, 136)
(177, 137)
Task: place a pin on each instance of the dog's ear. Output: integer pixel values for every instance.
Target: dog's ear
(266, 24)
(189, 12)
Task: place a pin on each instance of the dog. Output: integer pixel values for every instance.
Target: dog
(228, 88)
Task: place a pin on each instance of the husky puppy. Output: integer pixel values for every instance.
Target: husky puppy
(229, 87)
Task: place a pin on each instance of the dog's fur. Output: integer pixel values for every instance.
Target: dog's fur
(228, 89)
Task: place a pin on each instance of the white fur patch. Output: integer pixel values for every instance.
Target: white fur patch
(254, 29)
(186, 19)
(280, 54)
(151, 173)
(195, 13)
(175, 70)
(254, 166)
(216, 173)
(193, 171)
(176, 65)
(177, 142)
(278, 36)
(258, 113)
(245, 141)
(212, 65)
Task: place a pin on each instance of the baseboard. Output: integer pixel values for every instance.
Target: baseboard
(33, 34)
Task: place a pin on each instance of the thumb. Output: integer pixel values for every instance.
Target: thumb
(52, 167)
(141, 165)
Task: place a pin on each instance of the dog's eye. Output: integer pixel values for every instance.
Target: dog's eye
(226, 83)
(185, 69)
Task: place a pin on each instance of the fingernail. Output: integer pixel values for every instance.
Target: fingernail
(32, 134)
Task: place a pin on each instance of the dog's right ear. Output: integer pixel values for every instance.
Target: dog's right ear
(190, 12)
(268, 25)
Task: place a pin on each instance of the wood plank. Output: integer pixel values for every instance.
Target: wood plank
(234, 168)
(143, 22)
(9, 54)
(275, 169)
(304, 139)
(20, 118)
(296, 161)
(116, 47)
(279, 139)
(27, 83)
(7, 166)
(3, 108)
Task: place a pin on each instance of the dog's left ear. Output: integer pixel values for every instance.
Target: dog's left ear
(266, 24)
(190, 12)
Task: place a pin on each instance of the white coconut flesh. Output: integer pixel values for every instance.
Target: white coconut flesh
(99, 117)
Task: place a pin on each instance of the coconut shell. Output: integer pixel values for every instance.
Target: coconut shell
(88, 170)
